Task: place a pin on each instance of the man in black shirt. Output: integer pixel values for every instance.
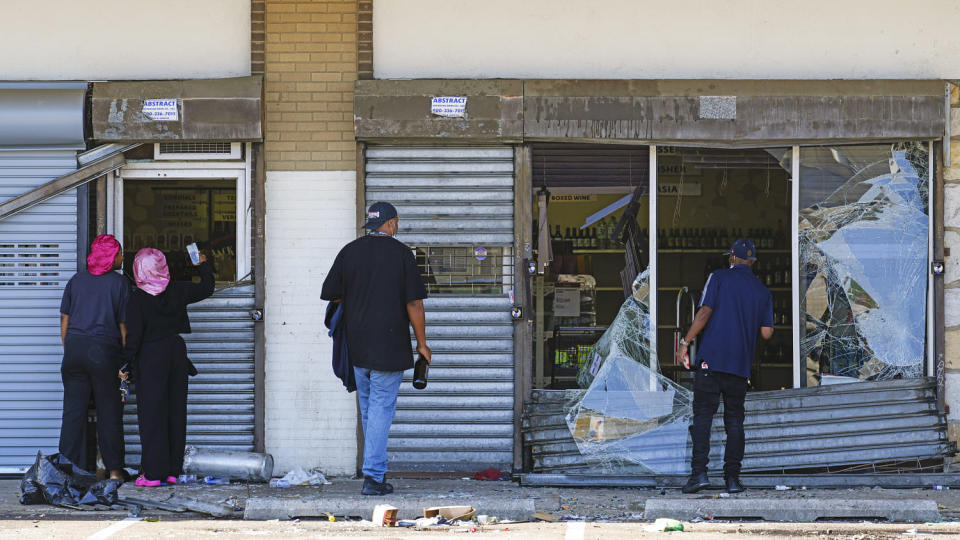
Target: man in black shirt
(376, 278)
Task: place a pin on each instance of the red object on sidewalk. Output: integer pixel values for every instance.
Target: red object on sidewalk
(488, 474)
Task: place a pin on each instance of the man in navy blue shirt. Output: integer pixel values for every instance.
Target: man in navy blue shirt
(734, 307)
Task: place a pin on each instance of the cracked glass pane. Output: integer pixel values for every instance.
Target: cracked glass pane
(630, 418)
(863, 249)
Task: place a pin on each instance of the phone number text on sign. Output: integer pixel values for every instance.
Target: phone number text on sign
(449, 106)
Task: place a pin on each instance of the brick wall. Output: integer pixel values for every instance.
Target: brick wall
(310, 68)
(951, 222)
(310, 65)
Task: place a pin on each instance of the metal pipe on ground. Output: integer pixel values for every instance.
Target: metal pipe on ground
(251, 466)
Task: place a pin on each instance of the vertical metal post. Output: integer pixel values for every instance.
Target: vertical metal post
(101, 184)
(798, 363)
(259, 175)
(652, 246)
(538, 332)
(522, 331)
(83, 226)
(930, 371)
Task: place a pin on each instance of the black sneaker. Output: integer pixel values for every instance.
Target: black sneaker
(696, 482)
(734, 485)
(372, 487)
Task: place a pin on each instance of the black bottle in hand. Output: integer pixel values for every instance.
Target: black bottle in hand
(420, 373)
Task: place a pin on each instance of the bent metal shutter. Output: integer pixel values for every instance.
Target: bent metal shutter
(220, 407)
(456, 212)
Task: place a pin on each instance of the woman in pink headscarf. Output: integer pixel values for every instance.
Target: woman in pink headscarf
(156, 316)
(92, 316)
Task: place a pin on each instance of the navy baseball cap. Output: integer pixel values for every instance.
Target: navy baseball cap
(743, 249)
(378, 214)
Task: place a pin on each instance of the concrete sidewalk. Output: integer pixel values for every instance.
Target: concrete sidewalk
(505, 500)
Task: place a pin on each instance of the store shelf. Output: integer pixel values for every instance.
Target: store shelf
(597, 251)
(776, 365)
(783, 327)
(620, 289)
(721, 251)
(779, 289)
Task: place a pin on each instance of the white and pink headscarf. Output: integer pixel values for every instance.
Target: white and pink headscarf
(150, 271)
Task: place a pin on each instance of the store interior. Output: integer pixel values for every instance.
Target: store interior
(168, 215)
(707, 198)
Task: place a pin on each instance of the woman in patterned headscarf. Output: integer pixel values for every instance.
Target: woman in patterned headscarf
(92, 316)
(156, 316)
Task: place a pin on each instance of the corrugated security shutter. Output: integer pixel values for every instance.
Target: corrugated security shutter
(220, 399)
(456, 212)
(38, 255)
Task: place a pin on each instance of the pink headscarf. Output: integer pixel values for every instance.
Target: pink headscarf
(103, 251)
(150, 271)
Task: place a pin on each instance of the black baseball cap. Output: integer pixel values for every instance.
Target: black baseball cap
(743, 249)
(378, 214)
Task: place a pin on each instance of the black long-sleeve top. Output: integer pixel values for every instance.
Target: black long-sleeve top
(151, 318)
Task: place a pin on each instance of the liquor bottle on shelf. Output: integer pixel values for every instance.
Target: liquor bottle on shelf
(593, 238)
(601, 230)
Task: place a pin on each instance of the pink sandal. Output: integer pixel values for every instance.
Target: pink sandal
(143, 482)
(171, 480)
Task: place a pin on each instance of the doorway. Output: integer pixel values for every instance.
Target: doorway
(707, 199)
(167, 206)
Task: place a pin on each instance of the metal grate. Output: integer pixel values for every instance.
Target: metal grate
(195, 148)
(32, 265)
(465, 270)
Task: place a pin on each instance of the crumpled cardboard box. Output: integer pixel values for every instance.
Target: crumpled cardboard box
(451, 513)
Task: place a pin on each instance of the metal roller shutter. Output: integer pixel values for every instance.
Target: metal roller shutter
(38, 255)
(455, 206)
(220, 400)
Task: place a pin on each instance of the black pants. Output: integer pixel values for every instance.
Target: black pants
(162, 406)
(708, 387)
(91, 365)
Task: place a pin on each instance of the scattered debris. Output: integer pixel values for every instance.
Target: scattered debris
(216, 481)
(782, 488)
(664, 525)
(385, 515)
(251, 466)
(491, 474)
(543, 516)
(451, 513)
(300, 477)
(214, 509)
(54, 479)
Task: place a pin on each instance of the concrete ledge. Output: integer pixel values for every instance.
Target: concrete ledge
(263, 508)
(911, 510)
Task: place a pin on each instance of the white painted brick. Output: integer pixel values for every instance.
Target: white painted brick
(310, 420)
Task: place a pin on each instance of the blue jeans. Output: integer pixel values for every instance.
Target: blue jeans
(377, 393)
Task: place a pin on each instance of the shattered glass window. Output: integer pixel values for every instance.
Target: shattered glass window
(863, 249)
(630, 418)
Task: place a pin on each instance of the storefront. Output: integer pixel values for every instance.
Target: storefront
(161, 167)
(837, 184)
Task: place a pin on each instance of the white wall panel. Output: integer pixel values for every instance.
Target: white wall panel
(124, 39)
(682, 39)
(310, 419)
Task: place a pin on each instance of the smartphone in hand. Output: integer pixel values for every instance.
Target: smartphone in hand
(194, 253)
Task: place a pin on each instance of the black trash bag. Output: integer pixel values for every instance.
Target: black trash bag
(54, 479)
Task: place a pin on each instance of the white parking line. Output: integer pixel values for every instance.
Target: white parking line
(575, 530)
(115, 528)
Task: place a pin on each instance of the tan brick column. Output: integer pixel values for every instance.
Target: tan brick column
(310, 65)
